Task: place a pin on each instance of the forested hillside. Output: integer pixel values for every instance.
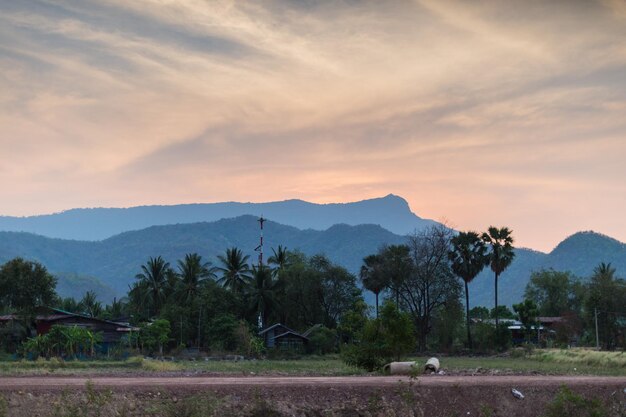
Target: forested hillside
(107, 267)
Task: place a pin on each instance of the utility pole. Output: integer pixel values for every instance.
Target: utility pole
(596, 319)
(260, 247)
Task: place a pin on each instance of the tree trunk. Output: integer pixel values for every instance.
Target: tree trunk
(496, 308)
(377, 304)
(467, 309)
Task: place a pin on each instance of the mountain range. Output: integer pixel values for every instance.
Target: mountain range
(390, 212)
(109, 265)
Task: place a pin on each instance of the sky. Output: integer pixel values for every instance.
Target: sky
(480, 113)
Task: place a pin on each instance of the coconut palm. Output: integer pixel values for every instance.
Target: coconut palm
(260, 293)
(155, 279)
(192, 272)
(501, 254)
(235, 270)
(468, 257)
(90, 304)
(373, 276)
(280, 258)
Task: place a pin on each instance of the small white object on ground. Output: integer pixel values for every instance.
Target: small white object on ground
(441, 372)
(517, 394)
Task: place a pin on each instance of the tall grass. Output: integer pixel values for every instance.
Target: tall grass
(582, 356)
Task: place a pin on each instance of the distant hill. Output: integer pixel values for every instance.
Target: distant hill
(116, 261)
(109, 266)
(579, 254)
(390, 212)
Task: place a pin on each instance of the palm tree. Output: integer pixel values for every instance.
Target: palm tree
(155, 280)
(501, 255)
(280, 258)
(468, 257)
(260, 292)
(373, 276)
(235, 270)
(90, 304)
(192, 273)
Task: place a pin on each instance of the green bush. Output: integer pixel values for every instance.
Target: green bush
(569, 404)
(382, 340)
(323, 341)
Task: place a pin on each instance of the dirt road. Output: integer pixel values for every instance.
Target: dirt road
(123, 383)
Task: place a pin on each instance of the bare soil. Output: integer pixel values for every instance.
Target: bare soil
(432, 395)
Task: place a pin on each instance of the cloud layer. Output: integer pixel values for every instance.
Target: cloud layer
(492, 112)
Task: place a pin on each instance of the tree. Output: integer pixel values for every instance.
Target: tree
(280, 258)
(192, 272)
(260, 293)
(156, 334)
(235, 270)
(397, 266)
(479, 312)
(527, 313)
(337, 292)
(501, 255)
(373, 276)
(155, 281)
(386, 338)
(25, 285)
(606, 298)
(468, 257)
(502, 312)
(430, 282)
(552, 292)
(90, 305)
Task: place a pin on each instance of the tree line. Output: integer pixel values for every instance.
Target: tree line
(424, 284)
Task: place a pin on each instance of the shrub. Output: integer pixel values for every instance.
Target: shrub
(569, 404)
(382, 340)
(323, 341)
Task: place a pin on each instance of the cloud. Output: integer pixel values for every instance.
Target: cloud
(478, 112)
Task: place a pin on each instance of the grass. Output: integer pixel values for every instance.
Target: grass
(545, 361)
(329, 365)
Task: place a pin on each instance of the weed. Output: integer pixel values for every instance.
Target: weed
(4, 406)
(374, 402)
(97, 399)
(194, 406)
(160, 366)
(262, 409)
(486, 410)
(569, 404)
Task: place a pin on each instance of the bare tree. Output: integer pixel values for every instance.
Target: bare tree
(430, 283)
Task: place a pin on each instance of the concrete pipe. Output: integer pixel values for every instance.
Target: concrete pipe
(400, 368)
(432, 364)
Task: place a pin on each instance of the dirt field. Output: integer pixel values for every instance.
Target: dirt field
(301, 396)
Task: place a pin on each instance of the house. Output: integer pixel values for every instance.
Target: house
(282, 337)
(112, 332)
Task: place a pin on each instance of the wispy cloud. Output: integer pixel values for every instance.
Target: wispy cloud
(481, 112)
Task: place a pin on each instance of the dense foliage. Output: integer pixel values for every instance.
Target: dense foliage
(191, 302)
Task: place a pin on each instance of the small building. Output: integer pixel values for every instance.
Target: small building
(282, 337)
(112, 332)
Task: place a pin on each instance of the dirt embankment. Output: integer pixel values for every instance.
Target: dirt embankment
(308, 397)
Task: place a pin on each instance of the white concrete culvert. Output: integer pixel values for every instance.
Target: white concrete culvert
(400, 368)
(432, 365)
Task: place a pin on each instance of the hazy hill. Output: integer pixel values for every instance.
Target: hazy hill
(579, 254)
(390, 212)
(116, 260)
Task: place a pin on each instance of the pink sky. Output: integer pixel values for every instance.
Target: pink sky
(494, 112)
